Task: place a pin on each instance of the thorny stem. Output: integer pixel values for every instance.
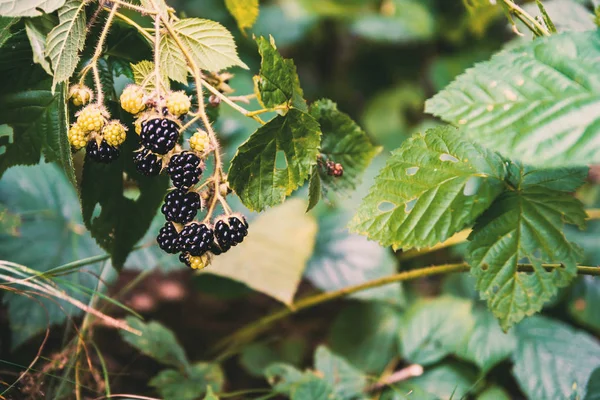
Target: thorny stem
(231, 103)
(134, 7)
(533, 24)
(231, 344)
(158, 81)
(93, 65)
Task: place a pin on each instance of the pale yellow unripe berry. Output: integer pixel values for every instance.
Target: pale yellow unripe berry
(77, 137)
(199, 262)
(178, 103)
(199, 142)
(132, 99)
(91, 119)
(114, 133)
(80, 95)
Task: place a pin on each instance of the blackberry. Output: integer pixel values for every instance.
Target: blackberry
(195, 239)
(239, 228)
(147, 163)
(229, 233)
(168, 238)
(103, 153)
(180, 206)
(159, 135)
(184, 170)
(215, 249)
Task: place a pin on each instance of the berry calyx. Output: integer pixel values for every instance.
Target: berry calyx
(168, 238)
(180, 206)
(80, 95)
(159, 135)
(91, 119)
(199, 142)
(77, 137)
(114, 133)
(184, 169)
(101, 152)
(147, 162)
(178, 103)
(195, 239)
(132, 99)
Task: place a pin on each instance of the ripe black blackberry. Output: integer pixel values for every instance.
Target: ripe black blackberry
(104, 153)
(159, 135)
(181, 206)
(168, 238)
(147, 162)
(185, 170)
(195, 239)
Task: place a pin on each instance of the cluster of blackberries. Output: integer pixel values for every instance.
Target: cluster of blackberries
(195, 241)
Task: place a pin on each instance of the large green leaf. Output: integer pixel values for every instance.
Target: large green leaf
(258, 261)
(277, 82)
(66, 40)
(158, 342)
(37, 116)
(116, 221)
(593, 386)
(37, 30)
(6, 24)
(553, 360)
(173, 385)
(486, 345)
(346, 381)
(342, 259)
(366, 334)
(245, 12)
(50, 234)
(209, 44)
(173, 63)
(275, 160)
(430, 330)
(539, 102)
(433, 186)
(524, 223)
(344, 142)
(28, 8)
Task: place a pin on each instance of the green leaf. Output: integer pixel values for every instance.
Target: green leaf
(593, 386)
(313, 388)
(283, 377)
(257, 261)
(157, 342)
(116, 221)
(538, 102)
(432, 329)
(585, 295)
(434, 185)
(277, 82)
(346, 381)
(173, 385)
(314, 188)
(173, 63)
(66, 40)
(366, 334)
(406, 21)
(51, 233)
(561, 179)
(486, 345)
(255, 173)
(210, 395)
(342, 259)
(257, 357)
(563, 359)
(142, 75)
(444, 382)
(6, 24)
(37, 30)
(209, 44)
(524, 223)
(494, 393)
(28, 8)
(245, 12)
(38, 117)
(344, 142)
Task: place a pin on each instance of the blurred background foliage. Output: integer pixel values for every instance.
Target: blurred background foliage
(379, 60)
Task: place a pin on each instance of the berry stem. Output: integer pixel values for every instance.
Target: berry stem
(158, 83)
(189, 123)
(537, 28)
(231, 103)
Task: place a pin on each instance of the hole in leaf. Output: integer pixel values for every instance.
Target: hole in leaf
(448, 157)
(412, 171)
(97, 211)
(280, 160)
(472, 185)
(410, 205)
(484, 267)
(386, 206)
